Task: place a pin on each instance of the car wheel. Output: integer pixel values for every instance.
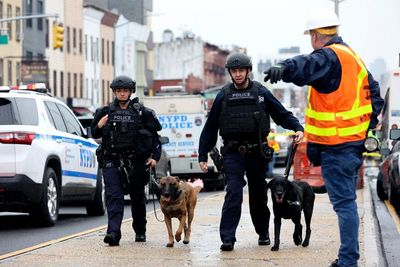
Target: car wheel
(47, 211)
(98, 206)
(379, 188)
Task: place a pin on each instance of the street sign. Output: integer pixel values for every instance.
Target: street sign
(3, 39)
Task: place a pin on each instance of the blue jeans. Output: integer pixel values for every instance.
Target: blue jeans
(340, 166)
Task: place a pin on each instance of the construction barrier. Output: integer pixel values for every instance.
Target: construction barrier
(302, 169)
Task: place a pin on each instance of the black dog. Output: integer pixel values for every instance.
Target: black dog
(288, 199)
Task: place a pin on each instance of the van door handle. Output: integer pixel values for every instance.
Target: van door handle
(80, 144)
(59, 141)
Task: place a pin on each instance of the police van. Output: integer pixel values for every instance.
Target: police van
(46, 156)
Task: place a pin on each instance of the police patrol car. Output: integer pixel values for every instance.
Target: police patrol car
(46, 157)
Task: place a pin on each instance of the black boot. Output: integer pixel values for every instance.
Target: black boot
(111, 240)
(227, 246)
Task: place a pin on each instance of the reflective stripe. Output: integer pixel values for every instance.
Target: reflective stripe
(332, 131)
(353, 129)
(347, 115)
(320, 131)
(322, 116)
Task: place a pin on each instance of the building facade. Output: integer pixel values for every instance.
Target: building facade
(11, 52)
(190, 62)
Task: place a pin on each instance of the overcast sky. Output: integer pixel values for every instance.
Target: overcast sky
(371, 27)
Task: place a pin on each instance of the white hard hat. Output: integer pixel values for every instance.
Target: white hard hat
(321, 19)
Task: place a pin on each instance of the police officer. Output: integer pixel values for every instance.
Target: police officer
(241, 113)
(130, 146)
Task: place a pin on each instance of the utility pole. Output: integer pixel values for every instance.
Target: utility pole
(337, 2)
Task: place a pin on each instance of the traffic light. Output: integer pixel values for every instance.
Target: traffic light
(58, 35)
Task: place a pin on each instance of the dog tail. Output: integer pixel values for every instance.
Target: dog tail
(197, 184)
(319, 189)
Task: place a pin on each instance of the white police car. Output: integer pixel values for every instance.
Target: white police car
(46, 157)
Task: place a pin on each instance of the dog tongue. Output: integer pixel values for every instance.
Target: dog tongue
(167, 198)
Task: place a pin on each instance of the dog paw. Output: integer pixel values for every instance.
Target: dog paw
(185, 242)
(305, 243)
(170, 245)
(297, 240)
(275, 248)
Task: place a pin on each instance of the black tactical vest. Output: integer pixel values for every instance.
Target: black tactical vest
(241, 113)
(124, 131)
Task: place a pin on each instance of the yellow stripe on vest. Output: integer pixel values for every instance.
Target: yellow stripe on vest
(322, 116)
(353, 129)
(320, 131)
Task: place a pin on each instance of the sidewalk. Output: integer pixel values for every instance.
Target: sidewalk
(203, 249)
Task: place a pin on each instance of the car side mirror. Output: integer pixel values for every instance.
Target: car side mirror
(164, 140)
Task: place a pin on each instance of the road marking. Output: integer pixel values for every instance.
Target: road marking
(51, 242)
(393, 214)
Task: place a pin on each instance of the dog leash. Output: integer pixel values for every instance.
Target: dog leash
(290, 159)
(154, 182)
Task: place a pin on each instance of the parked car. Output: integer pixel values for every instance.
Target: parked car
(46, 156)
(388, 181)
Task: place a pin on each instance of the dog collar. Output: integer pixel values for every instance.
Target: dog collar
(296, 203)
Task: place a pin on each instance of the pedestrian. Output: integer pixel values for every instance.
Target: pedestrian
(275, 145)
(241, 113)
(343, 103)
(130, 146)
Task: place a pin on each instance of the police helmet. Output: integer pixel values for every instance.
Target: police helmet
(123, 82)
(238, 60)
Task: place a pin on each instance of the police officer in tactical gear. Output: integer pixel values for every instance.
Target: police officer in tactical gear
(241, 113)
(130, 146)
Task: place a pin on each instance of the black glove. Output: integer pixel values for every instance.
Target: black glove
(274, 74)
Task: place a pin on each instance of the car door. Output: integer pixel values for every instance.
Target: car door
(83, 162)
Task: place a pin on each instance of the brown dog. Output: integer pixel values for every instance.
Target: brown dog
(178, 200)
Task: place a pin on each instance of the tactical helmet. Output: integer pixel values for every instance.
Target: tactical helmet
(238, 60)
(123, 82)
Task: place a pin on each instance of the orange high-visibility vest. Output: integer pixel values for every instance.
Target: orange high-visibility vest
(343, 115)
